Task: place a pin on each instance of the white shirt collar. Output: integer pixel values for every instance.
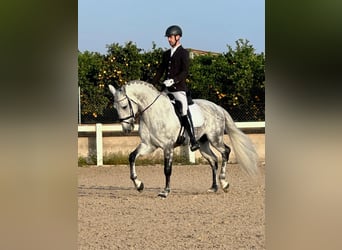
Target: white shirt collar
(173, 49)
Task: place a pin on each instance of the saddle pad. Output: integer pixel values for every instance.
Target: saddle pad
(196, 114)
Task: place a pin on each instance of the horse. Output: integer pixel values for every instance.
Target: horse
(159, 127)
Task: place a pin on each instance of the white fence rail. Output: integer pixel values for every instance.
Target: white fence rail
(99, 128)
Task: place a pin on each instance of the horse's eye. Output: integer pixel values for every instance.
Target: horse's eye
(124, 107)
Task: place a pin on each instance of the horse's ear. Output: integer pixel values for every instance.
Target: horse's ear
(112, 89)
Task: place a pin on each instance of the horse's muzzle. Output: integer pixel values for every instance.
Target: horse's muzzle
(127, 127)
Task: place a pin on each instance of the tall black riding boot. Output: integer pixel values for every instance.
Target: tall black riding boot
(190, 129)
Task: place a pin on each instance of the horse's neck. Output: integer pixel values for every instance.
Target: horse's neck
(142, 98)
(150, 100)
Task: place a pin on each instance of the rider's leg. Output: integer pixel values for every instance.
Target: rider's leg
(186, 119)
(190, 129)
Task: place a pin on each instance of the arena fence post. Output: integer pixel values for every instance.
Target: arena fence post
(190, 156)
(99, 145)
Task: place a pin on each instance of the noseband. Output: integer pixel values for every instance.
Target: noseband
(132, 115)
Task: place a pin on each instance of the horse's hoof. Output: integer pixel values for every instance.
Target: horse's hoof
(212, 190)
(225, 188)
(164, 193)
(224, 185)
(141, 187)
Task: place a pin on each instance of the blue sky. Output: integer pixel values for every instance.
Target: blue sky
(207, 25)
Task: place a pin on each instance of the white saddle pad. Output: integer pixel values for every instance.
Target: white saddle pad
(196, 114)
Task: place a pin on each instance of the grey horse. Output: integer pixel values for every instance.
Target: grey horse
(159, 127)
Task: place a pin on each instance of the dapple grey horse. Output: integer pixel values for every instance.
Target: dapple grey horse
(159, 127)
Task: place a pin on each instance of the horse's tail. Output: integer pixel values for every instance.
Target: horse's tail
(243, 147)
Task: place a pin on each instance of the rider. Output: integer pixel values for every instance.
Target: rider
(175, 66)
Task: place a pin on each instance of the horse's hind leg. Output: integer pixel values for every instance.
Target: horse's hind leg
(213, 161)
(222, 176)
(225, 151)
(140, 150)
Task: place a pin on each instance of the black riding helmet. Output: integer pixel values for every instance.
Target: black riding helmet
(173, 31)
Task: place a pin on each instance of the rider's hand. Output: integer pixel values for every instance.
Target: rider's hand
(168, 82)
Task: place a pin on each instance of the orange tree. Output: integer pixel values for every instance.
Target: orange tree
(150, 62)
(93, 100)
(121, 64)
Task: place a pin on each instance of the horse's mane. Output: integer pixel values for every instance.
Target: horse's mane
(141, 83)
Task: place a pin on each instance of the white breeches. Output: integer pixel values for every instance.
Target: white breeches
(181, 96)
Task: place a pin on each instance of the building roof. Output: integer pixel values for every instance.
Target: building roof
(197, 52)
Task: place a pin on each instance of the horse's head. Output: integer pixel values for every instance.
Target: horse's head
(125, 107)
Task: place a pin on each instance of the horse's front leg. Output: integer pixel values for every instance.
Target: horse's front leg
(168, 155)
(140, 150)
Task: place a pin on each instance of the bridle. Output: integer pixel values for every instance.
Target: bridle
(139, 113)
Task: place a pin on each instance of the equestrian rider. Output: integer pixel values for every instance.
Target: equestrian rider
(175, 66)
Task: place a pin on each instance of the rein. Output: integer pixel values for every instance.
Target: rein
(148, 106)
(132, 115)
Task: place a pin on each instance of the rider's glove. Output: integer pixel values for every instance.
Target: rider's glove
(168, 82)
